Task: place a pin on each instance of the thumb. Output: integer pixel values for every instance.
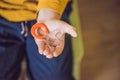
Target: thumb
(70, 30)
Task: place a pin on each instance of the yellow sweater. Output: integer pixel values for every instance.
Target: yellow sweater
(21, 10)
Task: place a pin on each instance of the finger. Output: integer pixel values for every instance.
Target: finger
(52, 48)
(49, 56)
(58, 49)
(63, 26)
(46, 50)
(41, 46)
(70, 30)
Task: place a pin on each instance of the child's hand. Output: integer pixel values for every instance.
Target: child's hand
(53, 44)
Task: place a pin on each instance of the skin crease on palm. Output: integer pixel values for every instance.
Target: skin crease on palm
(53, 44)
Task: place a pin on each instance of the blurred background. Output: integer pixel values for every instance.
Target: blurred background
(99, 28)
(97, 47)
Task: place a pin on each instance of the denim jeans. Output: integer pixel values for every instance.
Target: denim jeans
(16, 45)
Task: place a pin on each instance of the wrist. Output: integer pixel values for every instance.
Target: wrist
(47, 14)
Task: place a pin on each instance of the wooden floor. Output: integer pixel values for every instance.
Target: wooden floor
(100, 22)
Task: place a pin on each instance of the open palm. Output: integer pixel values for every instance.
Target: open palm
(53, 44)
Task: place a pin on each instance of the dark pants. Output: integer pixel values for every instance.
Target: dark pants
(14, 46)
